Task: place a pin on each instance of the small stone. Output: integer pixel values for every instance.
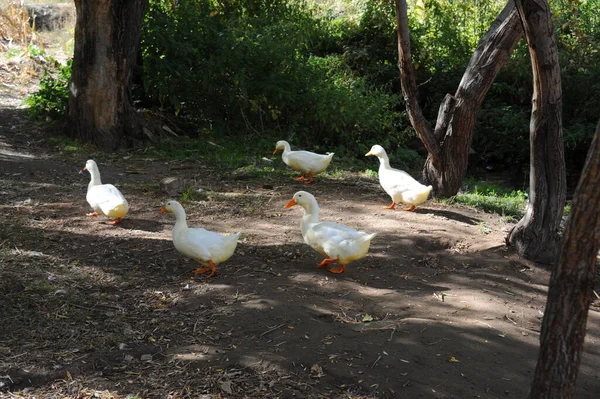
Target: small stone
(172, 185)
(146, 357)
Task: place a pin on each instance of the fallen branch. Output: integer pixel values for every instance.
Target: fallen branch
(271, 330)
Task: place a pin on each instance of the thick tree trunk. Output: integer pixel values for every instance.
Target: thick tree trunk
(570, 291)
(107, 36)
(448, 145)
(536, 236)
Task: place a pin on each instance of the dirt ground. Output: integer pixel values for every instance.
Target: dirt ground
(438, 309)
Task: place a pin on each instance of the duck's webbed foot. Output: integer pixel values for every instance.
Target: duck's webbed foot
(211, 267)
(337, 270)
(310, 179)
(393, 206)
(325, 262)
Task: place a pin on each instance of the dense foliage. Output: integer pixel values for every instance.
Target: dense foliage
(253, 66)
(51, 100)
(323, 73)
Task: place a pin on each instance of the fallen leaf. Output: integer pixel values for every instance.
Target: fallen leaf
(453, 360)
(226, 387)
(316, 371)
(367, 318)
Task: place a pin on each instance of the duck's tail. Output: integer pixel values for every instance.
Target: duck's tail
(368, 237)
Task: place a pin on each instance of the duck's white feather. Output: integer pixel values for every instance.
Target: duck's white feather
(197, 243)
(337, 241)
(334, 240)
(105, 199)
(399, 185)
(304, 161)
(203, 245)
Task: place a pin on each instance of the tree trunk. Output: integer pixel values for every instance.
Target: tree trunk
(448, 145)
(570, 291)
(536, 236)
(107, 36)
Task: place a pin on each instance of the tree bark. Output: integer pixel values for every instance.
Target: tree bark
(448, 145)
(107, 36)
(536, 236)
(570, 291)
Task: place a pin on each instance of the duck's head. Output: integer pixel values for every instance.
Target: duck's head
(303, 199)
(280, 145)
(377, 151)
(171, 206)
(90, 165)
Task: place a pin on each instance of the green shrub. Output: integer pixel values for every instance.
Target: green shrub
(492, 198)
(247, 66)
(52, 98)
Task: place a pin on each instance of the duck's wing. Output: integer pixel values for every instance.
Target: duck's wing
(200, 243)
(334, 232)
(398, 181)
(207, 244)
(304, 159)
(106, 197)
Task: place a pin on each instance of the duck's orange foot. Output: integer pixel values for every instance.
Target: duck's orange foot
(410, 208)
(92, 214)
(202, 270)
(301, 178)
(115, 222)
(310, 179)
(337, 270)
(393, 206)
(325, 262)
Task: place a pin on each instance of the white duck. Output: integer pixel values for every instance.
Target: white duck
(203, 246)
(104, 199)
(305, 162)
(339, 243)
(397, 183)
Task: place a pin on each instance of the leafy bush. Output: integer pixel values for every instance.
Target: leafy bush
(249, 66)
(52, 98)
(492, 198)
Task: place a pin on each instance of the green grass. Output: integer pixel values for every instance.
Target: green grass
(492, 198)
(72, 146)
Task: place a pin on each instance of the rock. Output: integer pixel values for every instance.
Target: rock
(146, 357)
(149, 134)
(49, 17)
(172, 186)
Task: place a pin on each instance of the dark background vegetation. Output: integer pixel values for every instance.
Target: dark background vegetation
(324, 75)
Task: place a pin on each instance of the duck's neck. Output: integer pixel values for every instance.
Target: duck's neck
(286, 147)
(95, 178)
(180, 220)
(311, 216)
(384, 162)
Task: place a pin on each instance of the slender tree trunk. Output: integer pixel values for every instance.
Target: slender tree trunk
(107, 36)
(449, 143)
(536, 236)
(570, 291)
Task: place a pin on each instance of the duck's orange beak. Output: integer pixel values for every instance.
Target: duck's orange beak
(368, 154)
(84, 169)
(163, 210)
(291, 204)
(275, 152)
